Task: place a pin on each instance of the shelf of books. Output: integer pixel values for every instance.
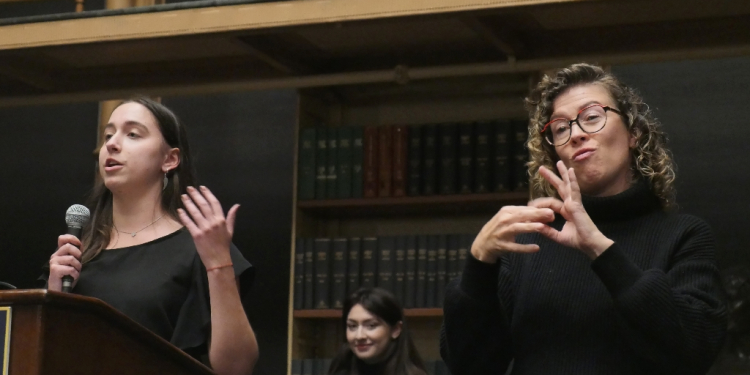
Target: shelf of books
(391, 192)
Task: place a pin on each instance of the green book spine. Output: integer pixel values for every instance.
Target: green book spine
(353, 270)
(306, 165)
(296, 367)
(370, 161)
(448, 156)
(501, 154)
(323, 273)
(452, 260)
(308, 366)
(369, 261)
(344, 166)
(429, 160)
(466, 158)
(321, 164)
(421, 295)
(399, 278)
(442, 269)
(520, 156)
(482, 154)
(309, 273)
(464, 246)
(299, 273)
(357, 160)
(415, 161)
(385, 262)
(411, 272)
(338, 292)
(331, 163)
(432, 249)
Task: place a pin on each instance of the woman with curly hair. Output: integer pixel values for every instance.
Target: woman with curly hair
(597, 275)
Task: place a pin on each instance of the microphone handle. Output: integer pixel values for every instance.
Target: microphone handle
(67, 280)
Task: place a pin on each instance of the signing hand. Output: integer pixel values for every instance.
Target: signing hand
(579, 231)
(211, 232)
(65, 261)
(498, 235)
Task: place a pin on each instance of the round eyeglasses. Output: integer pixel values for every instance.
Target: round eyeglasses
(591, 119)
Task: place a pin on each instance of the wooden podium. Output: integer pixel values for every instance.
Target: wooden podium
(59, 333)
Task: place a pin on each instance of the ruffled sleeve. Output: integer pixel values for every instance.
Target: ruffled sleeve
(193, 324)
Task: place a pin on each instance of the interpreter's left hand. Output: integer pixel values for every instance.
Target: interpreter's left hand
(579, 231)
(211, 231)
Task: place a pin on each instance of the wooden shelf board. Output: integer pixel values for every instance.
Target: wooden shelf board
(335, 314)
(466, 203)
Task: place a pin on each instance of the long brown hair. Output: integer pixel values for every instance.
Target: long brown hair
(96, 235)
(650, 157)
(404, 359)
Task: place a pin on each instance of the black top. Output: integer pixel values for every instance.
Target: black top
(650, 304)
(162, 285)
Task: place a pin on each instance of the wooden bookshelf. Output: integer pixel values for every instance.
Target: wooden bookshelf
(336, 314)
(439, 204)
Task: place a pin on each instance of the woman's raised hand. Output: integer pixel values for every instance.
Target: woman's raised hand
(205, 221)
(579, 231)
(66, 261)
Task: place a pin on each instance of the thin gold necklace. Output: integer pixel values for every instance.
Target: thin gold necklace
(132, 234)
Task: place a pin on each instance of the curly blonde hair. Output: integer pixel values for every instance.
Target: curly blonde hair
(650, 157)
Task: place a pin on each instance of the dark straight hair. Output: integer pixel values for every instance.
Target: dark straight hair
(403, 359)
(96, 235)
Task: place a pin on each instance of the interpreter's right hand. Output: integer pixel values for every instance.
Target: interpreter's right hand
(65, 261)
(498, 236)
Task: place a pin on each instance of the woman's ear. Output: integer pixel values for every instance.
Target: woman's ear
(396, 331)
(171, 160)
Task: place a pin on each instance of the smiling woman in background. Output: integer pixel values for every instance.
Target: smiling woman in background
(598, 276)
(377, 339)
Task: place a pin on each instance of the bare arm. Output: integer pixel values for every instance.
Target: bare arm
(233, 349)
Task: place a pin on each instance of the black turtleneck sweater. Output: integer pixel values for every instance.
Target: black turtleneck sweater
(652, 303)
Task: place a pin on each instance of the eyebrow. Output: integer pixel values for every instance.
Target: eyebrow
(128, 124)
(590, 102)
(364, 321)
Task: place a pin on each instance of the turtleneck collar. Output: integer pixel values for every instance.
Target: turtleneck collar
(637, 200)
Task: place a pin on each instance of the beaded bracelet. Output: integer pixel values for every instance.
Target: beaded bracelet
(217, 267)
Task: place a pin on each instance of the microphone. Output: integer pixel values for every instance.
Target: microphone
(76, 218)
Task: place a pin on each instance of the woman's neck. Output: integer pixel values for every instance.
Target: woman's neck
(139, 218)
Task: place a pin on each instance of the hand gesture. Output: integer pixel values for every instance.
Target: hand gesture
(66, 261)
(579, 231)
(205, 221)
(498, 235)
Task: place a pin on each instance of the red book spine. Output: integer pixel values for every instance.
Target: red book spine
(370, 165)
(400, 155)
(385, 165)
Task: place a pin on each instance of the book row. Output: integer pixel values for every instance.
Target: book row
(400, 160)
(320, 366)
(415, 268)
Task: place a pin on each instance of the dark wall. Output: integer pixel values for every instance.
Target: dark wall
(47, 165)
(243, 145)
(703, 106)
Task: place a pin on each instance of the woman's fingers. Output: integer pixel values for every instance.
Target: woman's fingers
(575, 189)
(553, 204)
(201, 202)
(196, 216)
(552, 178)
(231, 216)
(188, 222)
(68, 238)
(212, 201)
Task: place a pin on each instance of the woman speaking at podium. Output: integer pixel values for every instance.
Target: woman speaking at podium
(598, 276)
(157, 248)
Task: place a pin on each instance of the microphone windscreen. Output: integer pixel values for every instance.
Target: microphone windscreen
(77, 216)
